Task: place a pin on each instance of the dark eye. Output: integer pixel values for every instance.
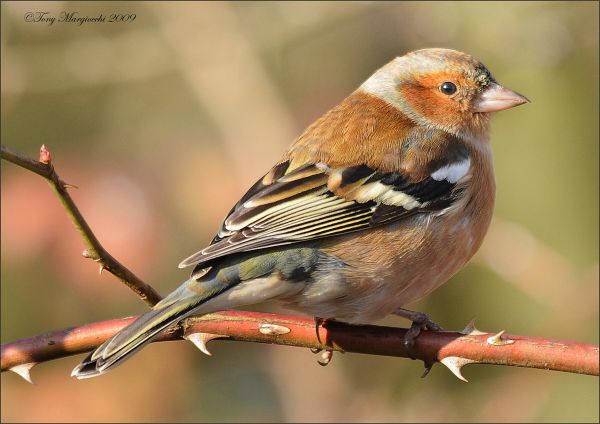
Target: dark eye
(448, 88)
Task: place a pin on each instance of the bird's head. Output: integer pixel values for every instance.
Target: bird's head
(442, 88)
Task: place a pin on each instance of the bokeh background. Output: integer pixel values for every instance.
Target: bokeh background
(164, 122)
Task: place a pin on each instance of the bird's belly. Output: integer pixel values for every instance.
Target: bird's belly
(381, 273)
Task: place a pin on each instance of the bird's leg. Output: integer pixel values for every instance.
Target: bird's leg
(327, 354)
(420, 322)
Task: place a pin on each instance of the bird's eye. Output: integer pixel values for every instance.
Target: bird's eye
(448, 88)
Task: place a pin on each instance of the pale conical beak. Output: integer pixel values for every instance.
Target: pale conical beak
(496, 98)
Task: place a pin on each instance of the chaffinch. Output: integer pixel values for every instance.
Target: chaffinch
(377, 203)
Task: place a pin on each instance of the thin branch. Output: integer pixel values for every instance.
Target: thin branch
(450, 348)
(94, 249)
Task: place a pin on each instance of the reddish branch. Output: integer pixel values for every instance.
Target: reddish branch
(452, 349)
(369, 339)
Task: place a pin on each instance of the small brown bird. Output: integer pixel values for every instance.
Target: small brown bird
(375, 205)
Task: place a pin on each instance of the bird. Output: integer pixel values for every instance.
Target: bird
(377, 203)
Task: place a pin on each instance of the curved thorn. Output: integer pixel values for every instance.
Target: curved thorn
(471, 330)
(428, 367)
(24, 371)
(497, 340)
(455, 363)
(67, 185)
(201, 339)
(101, 269)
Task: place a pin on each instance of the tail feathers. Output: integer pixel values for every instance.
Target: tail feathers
(257, 280)
(133, 337)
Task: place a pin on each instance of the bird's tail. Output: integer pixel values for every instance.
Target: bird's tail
(142, 331)
(238, 280)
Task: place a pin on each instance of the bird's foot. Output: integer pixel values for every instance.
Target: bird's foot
(326, 356)
(420, 322)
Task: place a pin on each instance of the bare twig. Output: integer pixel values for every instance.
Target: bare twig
(94, 249)
(450, 348)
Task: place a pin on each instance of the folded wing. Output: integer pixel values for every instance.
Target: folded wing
(315, 201)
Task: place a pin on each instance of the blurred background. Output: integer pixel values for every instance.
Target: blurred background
(165, 121)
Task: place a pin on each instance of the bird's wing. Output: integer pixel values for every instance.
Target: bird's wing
(315, 201)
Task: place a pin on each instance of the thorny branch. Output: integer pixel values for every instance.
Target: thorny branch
(94, 249)
(452, 349)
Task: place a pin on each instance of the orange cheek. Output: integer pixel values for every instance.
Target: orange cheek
(431, 105)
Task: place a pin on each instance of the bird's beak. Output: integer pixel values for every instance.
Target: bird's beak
(496, 98)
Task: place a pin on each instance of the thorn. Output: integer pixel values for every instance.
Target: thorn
(455, 363)
(24, 371)
(45, 156)
(67, 185)
(201, 339)
(471, 330)
(100, 269)
(273, 329)
(497, 340)
(428, 367)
